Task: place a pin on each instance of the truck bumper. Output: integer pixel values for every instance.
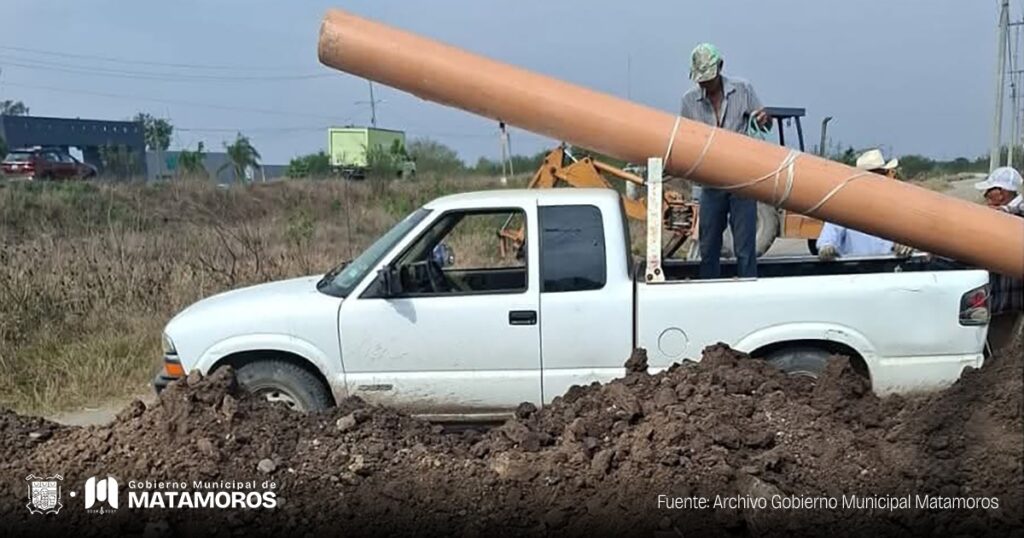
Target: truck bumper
(891, 375)
(161, 381)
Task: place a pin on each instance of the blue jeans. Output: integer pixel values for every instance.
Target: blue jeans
(716, 205)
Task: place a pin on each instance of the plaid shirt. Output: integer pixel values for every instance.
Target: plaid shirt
(1007, 292)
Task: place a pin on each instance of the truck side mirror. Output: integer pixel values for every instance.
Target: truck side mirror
(390, 281)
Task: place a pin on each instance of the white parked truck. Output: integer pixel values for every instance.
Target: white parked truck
(474, 338)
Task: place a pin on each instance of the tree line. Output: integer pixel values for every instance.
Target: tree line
(430, 156)
(915, 166)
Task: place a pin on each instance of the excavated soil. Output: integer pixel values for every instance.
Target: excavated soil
(592, 463)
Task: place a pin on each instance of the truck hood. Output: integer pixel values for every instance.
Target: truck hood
(288, 307)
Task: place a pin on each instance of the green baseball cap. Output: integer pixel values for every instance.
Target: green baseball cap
(704, 62)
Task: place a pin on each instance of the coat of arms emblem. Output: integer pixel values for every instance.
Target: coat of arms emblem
(44, 494)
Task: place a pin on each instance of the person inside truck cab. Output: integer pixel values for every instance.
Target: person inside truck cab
(728, 103)
(837, 241)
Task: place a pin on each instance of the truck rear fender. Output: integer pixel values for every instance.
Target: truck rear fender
(831, 337)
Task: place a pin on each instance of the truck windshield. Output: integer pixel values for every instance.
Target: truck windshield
(340, 283)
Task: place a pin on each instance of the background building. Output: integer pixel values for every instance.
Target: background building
(164, 166)
(93, 138)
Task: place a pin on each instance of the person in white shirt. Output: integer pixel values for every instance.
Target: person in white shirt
(1002, 190)
(837, 241)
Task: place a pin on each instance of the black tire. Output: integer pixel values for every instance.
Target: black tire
(285, 381)
(804, 361)
(812, 246)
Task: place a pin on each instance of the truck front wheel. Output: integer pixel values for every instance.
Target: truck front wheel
(284, 382)
(802, 361)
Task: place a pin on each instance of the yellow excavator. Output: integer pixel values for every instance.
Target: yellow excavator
(561, 168)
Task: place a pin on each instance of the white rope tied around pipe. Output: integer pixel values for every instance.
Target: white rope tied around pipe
(671, 141)
(787, 164)
(835, 190)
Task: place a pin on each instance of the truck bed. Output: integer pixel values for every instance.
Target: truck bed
(790, 266)
(900, 316)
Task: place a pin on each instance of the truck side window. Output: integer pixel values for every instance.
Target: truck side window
(459, 255)
(572, 256)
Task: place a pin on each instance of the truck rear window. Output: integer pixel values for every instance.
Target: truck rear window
(572, 248)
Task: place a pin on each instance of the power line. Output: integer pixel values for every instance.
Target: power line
(142, 62)
(251, 129)
(144, 75)
(179, 102)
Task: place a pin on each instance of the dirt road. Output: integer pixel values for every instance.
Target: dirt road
(103, 414)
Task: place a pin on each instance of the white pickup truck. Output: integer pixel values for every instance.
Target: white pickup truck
(471, 334)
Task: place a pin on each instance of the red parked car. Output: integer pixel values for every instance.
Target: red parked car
(45, 163)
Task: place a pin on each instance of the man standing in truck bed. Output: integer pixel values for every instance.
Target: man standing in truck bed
(728, 103)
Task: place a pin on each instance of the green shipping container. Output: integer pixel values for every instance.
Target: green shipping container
(347, 146)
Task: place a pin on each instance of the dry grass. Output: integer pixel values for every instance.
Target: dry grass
(90, 273)
(938, 184)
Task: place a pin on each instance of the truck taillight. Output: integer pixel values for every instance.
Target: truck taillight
(974, 307)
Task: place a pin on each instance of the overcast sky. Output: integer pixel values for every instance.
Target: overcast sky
(913, 76)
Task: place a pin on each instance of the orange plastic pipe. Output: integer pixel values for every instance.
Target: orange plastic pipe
(889, 208)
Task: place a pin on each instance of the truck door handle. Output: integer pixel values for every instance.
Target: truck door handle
(522, 317)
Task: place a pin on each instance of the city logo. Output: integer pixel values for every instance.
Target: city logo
(101, 491)
(44, 494)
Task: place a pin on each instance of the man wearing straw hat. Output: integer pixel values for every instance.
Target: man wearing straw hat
(838, 241)
(731, 104)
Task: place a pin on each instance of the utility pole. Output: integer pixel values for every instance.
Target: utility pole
(1015, 94)
(629, 77)
(824, 130)
(506, 153)
(1013, 125)
(1012, 49)
(1014, 100)
(373, 106)
(997, 120)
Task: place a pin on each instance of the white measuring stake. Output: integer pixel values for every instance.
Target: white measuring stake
(654, 212)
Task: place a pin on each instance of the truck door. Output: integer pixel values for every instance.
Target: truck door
(68, 167)
(53, 165)
(586, 296)
(462, 335)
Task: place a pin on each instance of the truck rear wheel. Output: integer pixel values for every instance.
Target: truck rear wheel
(803, 361)
(284, 382)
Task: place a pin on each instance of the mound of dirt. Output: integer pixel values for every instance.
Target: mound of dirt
(19, 434)
(600, 459)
